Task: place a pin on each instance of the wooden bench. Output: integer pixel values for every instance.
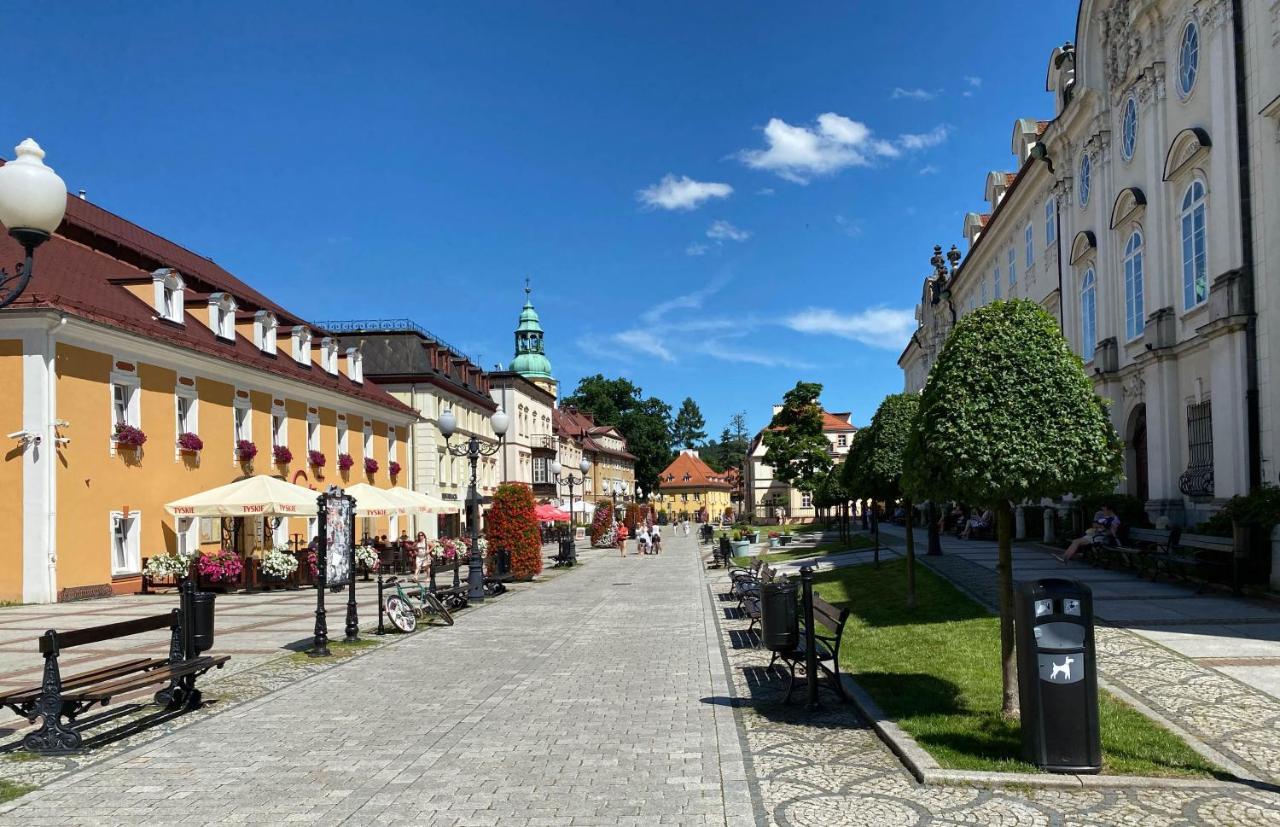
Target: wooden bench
(57, 697)
(1136, 548)
(828, 629)
(1199, 556)
(749, 594)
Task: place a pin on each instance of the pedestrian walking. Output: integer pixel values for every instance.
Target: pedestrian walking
(622, 539)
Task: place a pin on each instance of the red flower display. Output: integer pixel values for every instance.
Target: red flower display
(246, 450)
(345, 462)
(370, 465)
(316, 458)
(188, 441)
(282, 455)
(513, 525)
(394, 468)
(127, 436)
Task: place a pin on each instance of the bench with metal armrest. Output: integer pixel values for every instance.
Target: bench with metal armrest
(829, 624)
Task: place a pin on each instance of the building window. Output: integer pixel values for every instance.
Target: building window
(984, 292)
(125, 531)
(1050, 222)
(995, 284)
(806, 500)
(540, 469)
(169, 296)
(1195, 283)
(124, 404)
(842, 440)
(1013, 267)
(243, 431)
(329, 355)
(185, 401)
(222, 316)
(1197, 481)
(368, 441)
(313, 433)
(1129, 128)
(342, 436)
(264, 331)
(302, 346)
(1086, 174)
(187, 532)
(1088, 315)
(1134, 316)
(391, 445)
(355, 365)
(1030, 235)
(1188, 59)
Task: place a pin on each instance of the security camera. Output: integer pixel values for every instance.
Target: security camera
(62, 440)
(23, 435)
(26, 437)
(61, 423)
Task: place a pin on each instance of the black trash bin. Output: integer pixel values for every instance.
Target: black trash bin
(779, 616)
(1057, 676)
(201, 613)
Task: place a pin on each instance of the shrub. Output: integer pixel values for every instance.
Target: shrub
(1260, 507)
(169, 565)
(513, 525)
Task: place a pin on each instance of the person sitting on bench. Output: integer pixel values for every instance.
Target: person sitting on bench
(1106, 526)
(977, 523)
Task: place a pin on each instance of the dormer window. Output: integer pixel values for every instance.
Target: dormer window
(264, 331)
(301, 345)
(355, 364)
(329, 355)
(169, 297)
(222, 316)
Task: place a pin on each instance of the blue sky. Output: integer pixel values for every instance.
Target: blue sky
(712, 199)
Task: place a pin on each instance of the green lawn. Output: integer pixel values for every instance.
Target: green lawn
(936, 672)
(785, 553)
(10, 791)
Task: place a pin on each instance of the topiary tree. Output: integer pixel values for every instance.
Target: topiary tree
(853, 476)
(513, 524)
(795, 447)
(1008, 415)
(884, 444)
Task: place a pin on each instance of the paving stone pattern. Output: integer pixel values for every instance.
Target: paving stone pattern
(829, 769)
(583, 700)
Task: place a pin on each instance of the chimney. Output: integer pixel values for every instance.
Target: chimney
(83, 193)
(777, 409)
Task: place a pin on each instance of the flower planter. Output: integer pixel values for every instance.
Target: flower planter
(740, 547)
(774, 542)
(784, 540)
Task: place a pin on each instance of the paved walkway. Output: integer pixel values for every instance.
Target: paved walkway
(582, 700)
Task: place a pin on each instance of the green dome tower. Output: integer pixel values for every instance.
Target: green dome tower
(530, 361)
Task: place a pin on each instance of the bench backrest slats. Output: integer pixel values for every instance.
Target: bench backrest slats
(1207, 542)
(828, 615)
(1149, 535)
(108, 631)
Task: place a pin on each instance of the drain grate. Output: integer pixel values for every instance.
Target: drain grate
(620, 584)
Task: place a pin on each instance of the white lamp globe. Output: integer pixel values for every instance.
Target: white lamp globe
(448, 423)
(32, 196)
(584, 466)
(555, 468)
(500, 421)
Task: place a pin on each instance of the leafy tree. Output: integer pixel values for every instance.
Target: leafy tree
(795, 446)
(885, 443)
(645, 422)
(686, 428)
(729, 451)
(512, 524)
(1009, 415)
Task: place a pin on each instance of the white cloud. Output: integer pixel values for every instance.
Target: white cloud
(688, 301)
(697, 249)
(924, 140)
(683, 193)
(973, 81)
(765, 191)
(928, 169)
(643, 341)
(913, 94)
(881, 327)
(724, 231)
(853, 229)
(799, 153)
(725, 351)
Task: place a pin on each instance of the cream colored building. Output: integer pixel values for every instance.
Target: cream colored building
(771, 498)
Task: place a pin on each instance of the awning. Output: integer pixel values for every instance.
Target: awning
(420, 503)
(376, 502)
(259, 496)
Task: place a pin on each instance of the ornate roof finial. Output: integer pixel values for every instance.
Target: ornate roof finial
(527, 289)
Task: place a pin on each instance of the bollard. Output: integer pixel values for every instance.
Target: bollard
(810, 646)
(381, 629)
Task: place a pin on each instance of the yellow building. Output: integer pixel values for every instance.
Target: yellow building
(689, 489)
(123, 333)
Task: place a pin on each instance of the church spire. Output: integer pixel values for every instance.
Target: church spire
(530, 359)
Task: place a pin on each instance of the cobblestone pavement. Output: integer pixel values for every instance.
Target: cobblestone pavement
(588, 699)
(829, 768)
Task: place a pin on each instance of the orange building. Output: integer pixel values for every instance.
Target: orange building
(123, 333)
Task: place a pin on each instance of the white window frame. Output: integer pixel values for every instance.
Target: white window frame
(1187, 207)
(367, 443)
(355, 365)
(329, 355)
(806, 499)
(301, 337)
(1189, 27)
(540, 474)
(1013, 267)
(343, 439)
(1134, 299)
(185, 394)
(1129, 140)
(1050, 221)
(392, 448)
(1088, 314)
(313, 432)
(995, 284)
(131, 389)
(222, 316)
(265, 331)
(129, 546)
(1029, 236)
(1084, 179)
(187, 532)
(279, 426)
(169, 298)
(241, 429)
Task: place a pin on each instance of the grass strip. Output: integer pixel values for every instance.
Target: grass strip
(935, 670)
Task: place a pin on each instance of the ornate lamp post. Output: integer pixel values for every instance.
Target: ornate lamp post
(33, 200)
(472, 450)
(941, 292)
(584, 467)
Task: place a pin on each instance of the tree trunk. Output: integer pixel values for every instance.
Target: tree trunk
(911, 556)
(1004, 572)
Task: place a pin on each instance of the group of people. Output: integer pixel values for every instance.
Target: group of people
(648, 538)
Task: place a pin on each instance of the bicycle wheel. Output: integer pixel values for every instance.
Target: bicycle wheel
(432, 604)
(400, 614)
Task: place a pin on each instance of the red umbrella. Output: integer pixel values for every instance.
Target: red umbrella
(548, 513)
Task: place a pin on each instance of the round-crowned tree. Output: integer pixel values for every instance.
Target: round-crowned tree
(853, 473)
(885, 445)
(1008, 415)
(513, 525)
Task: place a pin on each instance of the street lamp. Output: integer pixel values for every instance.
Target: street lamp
(584, 467)
(473, 449)
(33, 200)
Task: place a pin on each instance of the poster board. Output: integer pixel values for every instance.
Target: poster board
(338, 514)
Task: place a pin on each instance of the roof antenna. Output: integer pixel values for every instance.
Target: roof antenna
(527, 289)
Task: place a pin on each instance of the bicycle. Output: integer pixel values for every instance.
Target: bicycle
(401, 611)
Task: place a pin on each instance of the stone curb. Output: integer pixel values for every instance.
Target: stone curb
(925, 768)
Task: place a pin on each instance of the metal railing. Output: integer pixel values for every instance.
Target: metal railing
(391, 326)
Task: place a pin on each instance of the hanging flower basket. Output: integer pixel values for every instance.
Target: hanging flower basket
(221, 567)
(282, 454)
(190, 443)
(246, 450)
(127, 436)
(345, 462)
(316, 459)
(370, 465)
(393, 468)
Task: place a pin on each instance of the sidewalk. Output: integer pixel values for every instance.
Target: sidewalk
(1209, 664)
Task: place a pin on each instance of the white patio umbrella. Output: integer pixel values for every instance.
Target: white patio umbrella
(258, 496)
(425, 503)
(376, 502)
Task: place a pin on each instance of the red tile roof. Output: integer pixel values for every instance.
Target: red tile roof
(580, 425)
(688, 470)
(1008, 179)
(78, 271)
(837, 421)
